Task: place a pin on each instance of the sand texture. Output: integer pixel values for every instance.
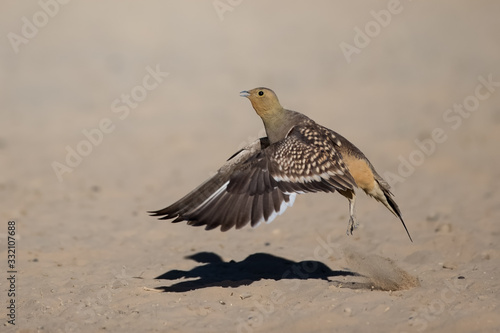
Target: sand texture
(113, 108)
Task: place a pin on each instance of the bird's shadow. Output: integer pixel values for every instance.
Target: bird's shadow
(214, 272)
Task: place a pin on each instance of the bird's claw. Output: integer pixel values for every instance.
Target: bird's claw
(351, 225)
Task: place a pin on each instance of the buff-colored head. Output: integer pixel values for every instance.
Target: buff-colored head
(264, 101)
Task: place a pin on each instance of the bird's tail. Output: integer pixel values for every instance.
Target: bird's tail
(381, 192)
(393, 207)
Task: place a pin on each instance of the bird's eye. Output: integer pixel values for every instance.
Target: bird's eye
(261, 93)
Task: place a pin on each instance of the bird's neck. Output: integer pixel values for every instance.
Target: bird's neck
(277, 123)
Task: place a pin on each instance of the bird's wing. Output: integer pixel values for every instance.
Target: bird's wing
(261, 181)
(214, 204)
(308, 160)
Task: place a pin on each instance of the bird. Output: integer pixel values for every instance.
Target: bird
(260, 181)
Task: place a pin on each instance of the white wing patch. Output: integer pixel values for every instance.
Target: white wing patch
(283, 207)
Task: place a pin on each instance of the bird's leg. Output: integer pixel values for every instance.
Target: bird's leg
(352, 219)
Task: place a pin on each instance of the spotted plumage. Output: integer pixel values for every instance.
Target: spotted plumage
(260, 181)
(307, 161)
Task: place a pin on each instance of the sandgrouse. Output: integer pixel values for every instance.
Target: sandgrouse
(261, 180)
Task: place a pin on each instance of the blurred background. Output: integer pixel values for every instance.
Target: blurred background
(156, 85)
(382, 74)
(64, 64)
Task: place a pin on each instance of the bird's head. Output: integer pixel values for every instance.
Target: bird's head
(264, 101)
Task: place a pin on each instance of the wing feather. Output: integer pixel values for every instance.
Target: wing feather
(260, 181)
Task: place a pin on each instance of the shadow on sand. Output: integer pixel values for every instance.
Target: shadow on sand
(214, 272)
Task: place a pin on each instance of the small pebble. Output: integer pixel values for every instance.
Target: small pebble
(244, 296)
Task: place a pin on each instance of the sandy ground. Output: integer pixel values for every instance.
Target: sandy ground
(88, 257)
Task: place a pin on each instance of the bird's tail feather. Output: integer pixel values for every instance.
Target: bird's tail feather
(393, 207)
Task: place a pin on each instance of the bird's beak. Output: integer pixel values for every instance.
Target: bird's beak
(244, 93)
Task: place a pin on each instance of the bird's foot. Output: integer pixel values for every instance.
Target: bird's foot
(351, 225)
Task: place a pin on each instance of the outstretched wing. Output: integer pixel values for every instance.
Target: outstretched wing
(213, 204)
(261, 181)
